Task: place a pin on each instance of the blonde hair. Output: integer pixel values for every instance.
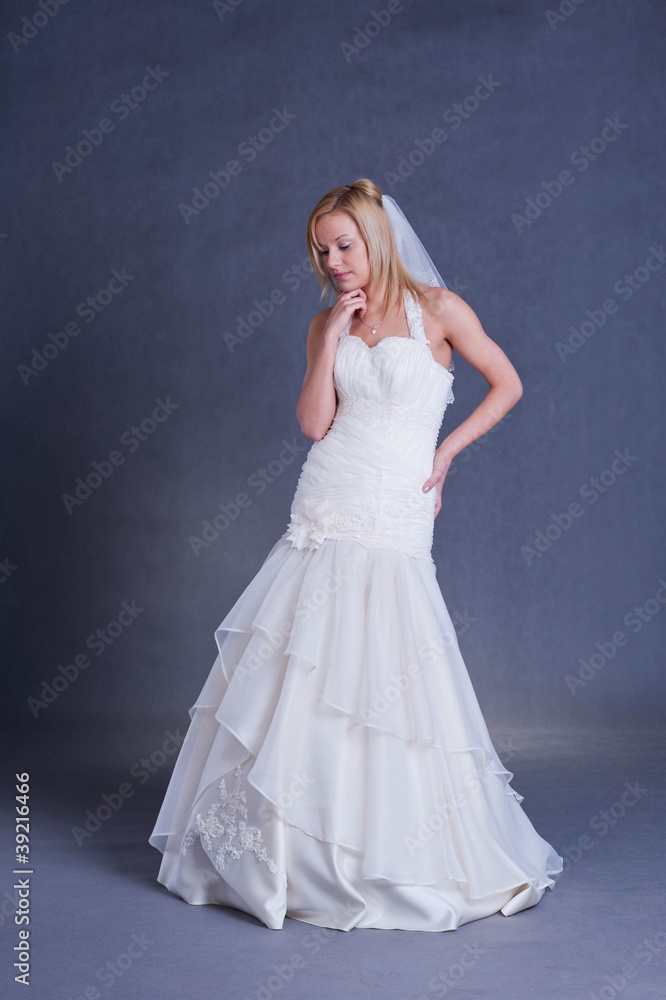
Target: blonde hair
(362, 200)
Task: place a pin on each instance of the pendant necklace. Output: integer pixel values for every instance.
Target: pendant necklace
(375, 328)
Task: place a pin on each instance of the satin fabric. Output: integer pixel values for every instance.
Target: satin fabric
(337, 768)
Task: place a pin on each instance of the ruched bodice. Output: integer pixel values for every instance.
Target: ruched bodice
(363, 480)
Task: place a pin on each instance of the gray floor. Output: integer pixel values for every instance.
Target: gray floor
(600, 933)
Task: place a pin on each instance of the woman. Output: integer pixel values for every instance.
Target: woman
(338, 768)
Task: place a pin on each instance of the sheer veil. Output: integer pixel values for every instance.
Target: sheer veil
(413, 254)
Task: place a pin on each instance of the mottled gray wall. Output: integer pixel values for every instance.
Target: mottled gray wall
(535, 209)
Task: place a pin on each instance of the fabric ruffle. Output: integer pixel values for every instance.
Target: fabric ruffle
(337, 768)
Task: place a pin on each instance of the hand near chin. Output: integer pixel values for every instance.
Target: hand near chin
(353, 300)
(363, 304)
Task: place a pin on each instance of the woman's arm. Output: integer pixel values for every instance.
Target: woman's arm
(463, 330)
(317, 402)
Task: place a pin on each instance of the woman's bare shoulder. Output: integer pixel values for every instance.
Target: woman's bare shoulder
(438, 301)
(447, 318)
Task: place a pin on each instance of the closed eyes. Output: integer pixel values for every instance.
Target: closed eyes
(345, 247)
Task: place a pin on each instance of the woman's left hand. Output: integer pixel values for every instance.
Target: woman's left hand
(440, 467)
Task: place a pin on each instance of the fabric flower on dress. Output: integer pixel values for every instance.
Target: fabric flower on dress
(310, 523)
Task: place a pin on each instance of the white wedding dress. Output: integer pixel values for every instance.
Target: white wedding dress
(337, 768)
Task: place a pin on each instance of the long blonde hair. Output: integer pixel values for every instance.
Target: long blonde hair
(362, 200)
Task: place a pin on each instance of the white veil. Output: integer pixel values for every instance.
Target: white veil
(413, 254)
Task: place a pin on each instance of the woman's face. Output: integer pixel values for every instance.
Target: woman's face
(345, 254)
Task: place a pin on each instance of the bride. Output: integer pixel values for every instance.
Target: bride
(337, 768)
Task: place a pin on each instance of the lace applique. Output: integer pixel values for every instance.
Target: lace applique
(239, 836)
(372, 521)
(390, 409)
(413, 309)
(450, 398)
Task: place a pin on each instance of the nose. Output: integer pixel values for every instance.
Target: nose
(334, 260)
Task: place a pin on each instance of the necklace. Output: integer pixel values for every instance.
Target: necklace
(377, 326)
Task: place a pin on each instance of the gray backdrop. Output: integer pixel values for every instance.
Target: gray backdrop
(525, 148)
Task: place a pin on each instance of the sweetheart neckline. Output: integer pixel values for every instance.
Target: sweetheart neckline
(353, 336)
(371, 347)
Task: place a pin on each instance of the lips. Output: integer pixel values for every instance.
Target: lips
(342, 275)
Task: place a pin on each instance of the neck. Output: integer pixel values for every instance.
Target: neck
(375, 301)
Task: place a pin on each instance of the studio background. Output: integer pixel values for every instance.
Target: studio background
(525, 146)
(350, 106)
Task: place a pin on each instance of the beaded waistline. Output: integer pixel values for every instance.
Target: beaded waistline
(387, 409)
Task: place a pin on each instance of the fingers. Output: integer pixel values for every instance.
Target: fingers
(356, 299)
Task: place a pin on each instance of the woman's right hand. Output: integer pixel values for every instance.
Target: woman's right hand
(344, 307)
(318, 399)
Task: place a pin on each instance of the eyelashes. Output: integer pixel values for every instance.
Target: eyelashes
(345, 247)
